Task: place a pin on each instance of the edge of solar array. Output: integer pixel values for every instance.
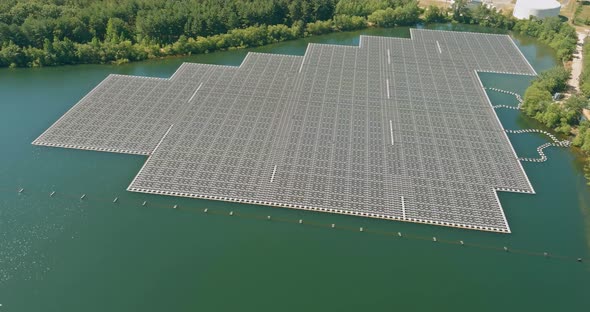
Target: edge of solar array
(324, 210)
(534, 73)
(37, 140)
(91, 148)
(522, 54)
(453, 31)
(532, 189)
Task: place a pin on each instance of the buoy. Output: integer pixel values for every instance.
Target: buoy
(300, 221)
(268, 217)
(175, 206)
(462, 243)
(333, 225)
(505, 249)
(83, 196)
(205, 211)
(399, 234)
(545, 254)
(434, 238)
(52, 193)
(144, 203)
(361, 229)
(116, 199)
(579, 259)
(231, 213)
(21, 190)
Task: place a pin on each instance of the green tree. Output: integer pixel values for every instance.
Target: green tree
(319, 27)
(347, 22)
(117, 30)
(434, 14)
(461, 12)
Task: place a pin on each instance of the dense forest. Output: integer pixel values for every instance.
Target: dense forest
(56, 32)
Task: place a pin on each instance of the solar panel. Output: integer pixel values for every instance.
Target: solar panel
(398, 129)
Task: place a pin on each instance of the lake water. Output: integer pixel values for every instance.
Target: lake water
(63, 254)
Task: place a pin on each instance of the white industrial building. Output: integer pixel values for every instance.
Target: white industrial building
(524, 9)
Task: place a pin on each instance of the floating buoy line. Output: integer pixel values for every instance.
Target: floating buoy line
(222, 212)
(556, 142)
(516, 95)
(398, 235)
(540, 150)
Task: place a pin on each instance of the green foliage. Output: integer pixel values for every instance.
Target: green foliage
(582, 139)
(585, 76)
(434, 14)
(537, 97)
(347, 22)
(366, 7)
(490, 17)
(582, 13)
(538, 102)
(407, 14)
(56, 32)
(29, 22)
(553, 80)
(552, 31)
(559, 118)
(319, 27)
(117, 30)
(460, 11)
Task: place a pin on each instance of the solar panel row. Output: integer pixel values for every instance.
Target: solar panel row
(395, 128)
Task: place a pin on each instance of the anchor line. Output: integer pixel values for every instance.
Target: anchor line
(516, 95)
(54, 195)
(540, 150)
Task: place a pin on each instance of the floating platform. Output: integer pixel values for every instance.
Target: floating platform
(398, 129)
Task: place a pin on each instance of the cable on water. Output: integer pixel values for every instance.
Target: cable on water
(222, 212)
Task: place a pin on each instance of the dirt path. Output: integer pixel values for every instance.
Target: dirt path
(577, 63)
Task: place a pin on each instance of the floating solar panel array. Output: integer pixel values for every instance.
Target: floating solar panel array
(398, 129)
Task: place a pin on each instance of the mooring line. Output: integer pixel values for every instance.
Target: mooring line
(540, 149)
(543, 157)
(516, 95)
(222, 212)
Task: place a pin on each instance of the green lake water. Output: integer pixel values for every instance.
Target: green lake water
(63, 254)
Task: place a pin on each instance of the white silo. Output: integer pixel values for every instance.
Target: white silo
(537, 8)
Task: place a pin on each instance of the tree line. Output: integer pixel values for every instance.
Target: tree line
(565, 116)
(538, 98)
(582, 138)
(539, 104)
(57, 32)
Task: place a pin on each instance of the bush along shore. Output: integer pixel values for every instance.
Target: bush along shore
(562, 116)
(582, 133)
(37, 33)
